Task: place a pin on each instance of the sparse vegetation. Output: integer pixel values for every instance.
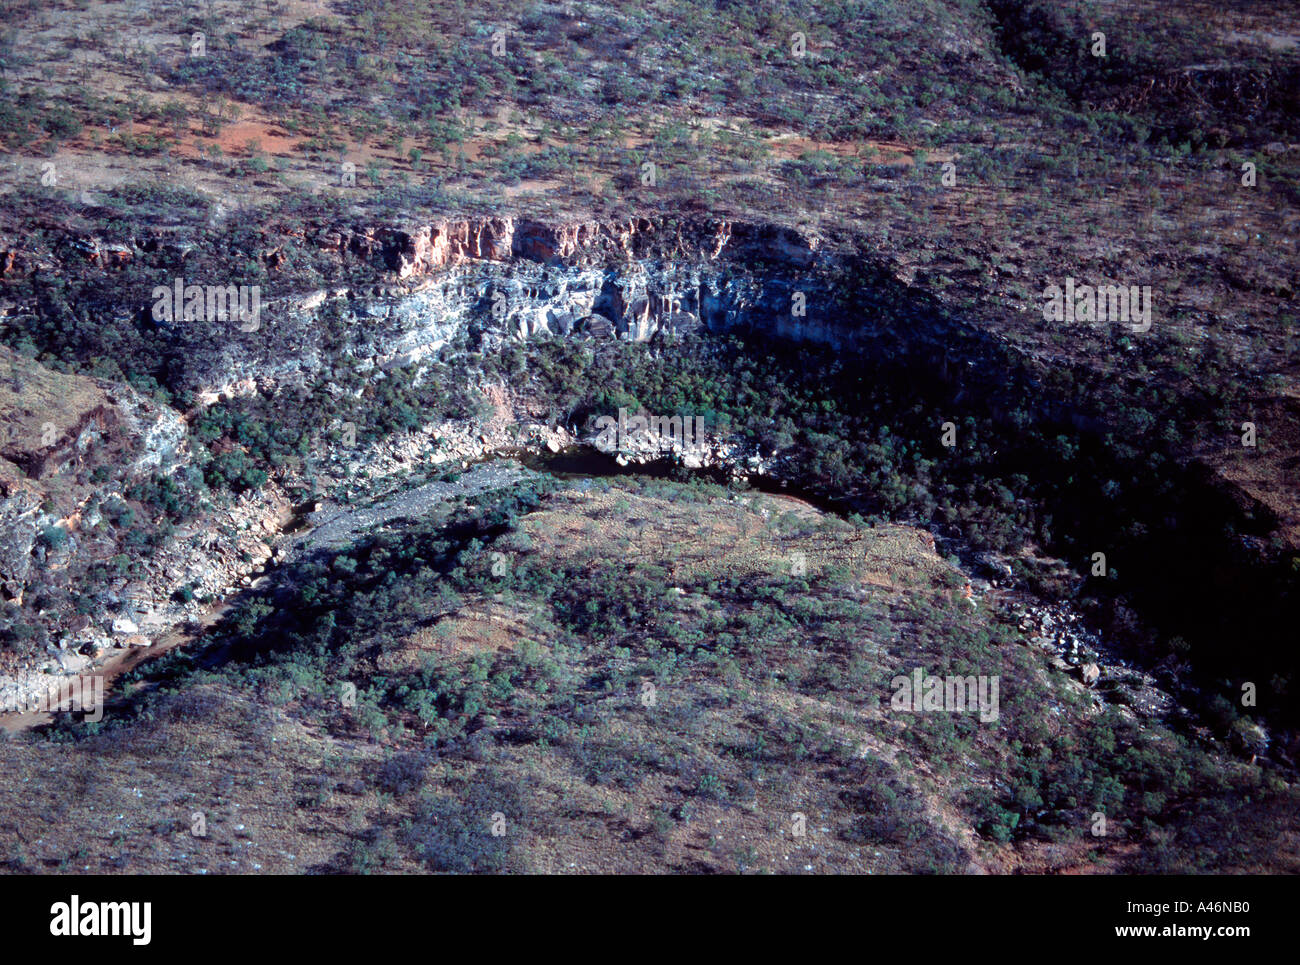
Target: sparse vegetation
(623, 671)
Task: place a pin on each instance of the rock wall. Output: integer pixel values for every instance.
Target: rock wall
(493, 279)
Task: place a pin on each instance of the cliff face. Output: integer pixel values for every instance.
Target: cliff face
(423, 249)
(428, 286)
(497, 278)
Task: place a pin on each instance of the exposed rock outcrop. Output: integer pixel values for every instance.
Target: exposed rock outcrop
(486, 280)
